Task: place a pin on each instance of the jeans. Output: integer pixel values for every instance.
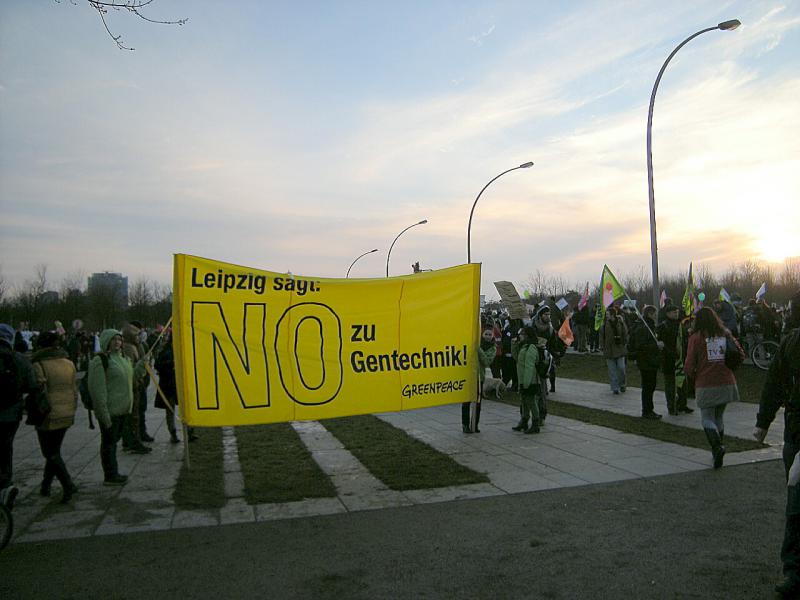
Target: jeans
(8, 429)
(529, 398)
(108, 446)
(649, 377)
(616, 372)
(50, 445)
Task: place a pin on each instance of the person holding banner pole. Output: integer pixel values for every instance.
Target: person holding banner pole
(647, 351)
(486, 353)
(614, 344)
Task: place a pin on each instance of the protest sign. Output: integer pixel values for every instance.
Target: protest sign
(255, 346)
(511, 300)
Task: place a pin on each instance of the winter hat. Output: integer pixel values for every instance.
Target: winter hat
(7, 334)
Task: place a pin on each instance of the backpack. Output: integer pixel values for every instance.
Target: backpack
(83, 388)
(10, 380)
(544, 363)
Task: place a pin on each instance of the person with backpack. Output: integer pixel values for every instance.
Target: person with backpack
(16, 380)
(715, 383)
(111, 388)
(647, 351)
(614, 343)
(782, 388)
(55, 375)
(530, 383)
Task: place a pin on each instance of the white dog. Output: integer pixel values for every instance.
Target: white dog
(493, 386)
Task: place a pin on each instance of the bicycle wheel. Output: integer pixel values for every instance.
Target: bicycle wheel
(763, 353)
(6, 526)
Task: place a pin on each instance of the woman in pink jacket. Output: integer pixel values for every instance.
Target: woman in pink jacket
(715, 384)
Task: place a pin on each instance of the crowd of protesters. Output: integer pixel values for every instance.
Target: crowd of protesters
(46, 376)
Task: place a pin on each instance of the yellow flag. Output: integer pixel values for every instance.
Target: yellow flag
(255, 346)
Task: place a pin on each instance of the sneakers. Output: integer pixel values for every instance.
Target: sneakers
(8, 495)
(521, 426)
(116, 480)
(652, 416)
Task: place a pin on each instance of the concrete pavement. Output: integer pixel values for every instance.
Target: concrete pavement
(566, 453)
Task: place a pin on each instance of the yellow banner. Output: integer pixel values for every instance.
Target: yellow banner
(255, 347)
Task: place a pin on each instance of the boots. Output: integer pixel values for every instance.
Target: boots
(717, 449)
(44, 489)
(521, 426)
(173, 437)
(69, 491)
(534, 428)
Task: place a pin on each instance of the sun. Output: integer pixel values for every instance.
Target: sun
(778, 245)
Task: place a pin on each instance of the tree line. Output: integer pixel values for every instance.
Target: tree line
(39, 302)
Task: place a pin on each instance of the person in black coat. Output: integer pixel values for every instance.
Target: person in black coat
(669, 332)
(647, 351)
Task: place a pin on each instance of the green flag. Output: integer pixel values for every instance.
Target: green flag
(688, 295)
(611, 290)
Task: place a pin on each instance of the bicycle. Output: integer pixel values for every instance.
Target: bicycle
(760, 351)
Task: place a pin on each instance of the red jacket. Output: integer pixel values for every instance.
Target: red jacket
(705, 361)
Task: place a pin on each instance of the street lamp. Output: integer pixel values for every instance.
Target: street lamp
(474, 204)
(724, 26)
(388, 254)
(356, 260)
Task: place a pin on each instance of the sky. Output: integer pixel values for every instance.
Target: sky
(297, 136)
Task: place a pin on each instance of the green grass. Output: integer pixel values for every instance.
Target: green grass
(277, 467)
(657, 430)
(397, 459)
(202, 485)
(592, 367)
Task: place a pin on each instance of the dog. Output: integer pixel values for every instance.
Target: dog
(493, 387)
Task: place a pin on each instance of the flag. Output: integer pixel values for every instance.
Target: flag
(663, 299)
(688, 295)
(584, 299)
(612, 290)
(565, 333)
(761, 291)
(724, 295)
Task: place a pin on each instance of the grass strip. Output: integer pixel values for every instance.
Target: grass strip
(203, 485)
(277, 467)
(592, 367)
(657, 430)
(397, 459)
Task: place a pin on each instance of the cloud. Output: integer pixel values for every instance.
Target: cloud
(480, 37)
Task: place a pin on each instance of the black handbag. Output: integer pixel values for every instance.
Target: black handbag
(37, 404)
(733, 357)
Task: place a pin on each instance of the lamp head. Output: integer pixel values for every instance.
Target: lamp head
(729, 25)
(371, 251)
(526, 165)
(423, 222)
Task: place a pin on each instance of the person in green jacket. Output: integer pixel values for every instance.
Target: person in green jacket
(111, 390)
(487, 350)
(530, 388)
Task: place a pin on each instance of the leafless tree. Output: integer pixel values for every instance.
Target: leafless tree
(790, 275)
(133, 7)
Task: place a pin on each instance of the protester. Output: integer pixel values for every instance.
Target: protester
(486, 353)
(583, 322)
(668, 332)
(111, 387)
(782, 388)
(16, 380)
(530, 388)
(647, 352)
(614, 341)
(715, 383)
(55, 376)
(508, 366)
(545, 330)
(165, 365)
(594, 333)
(133, 432)
(727, 314)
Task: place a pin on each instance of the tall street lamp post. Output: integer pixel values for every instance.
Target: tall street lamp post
(356, 260)
(474, 204)
(473, 406)
(389, 254)
(725, 26)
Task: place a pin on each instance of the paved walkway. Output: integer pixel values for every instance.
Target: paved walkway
(566, 453)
